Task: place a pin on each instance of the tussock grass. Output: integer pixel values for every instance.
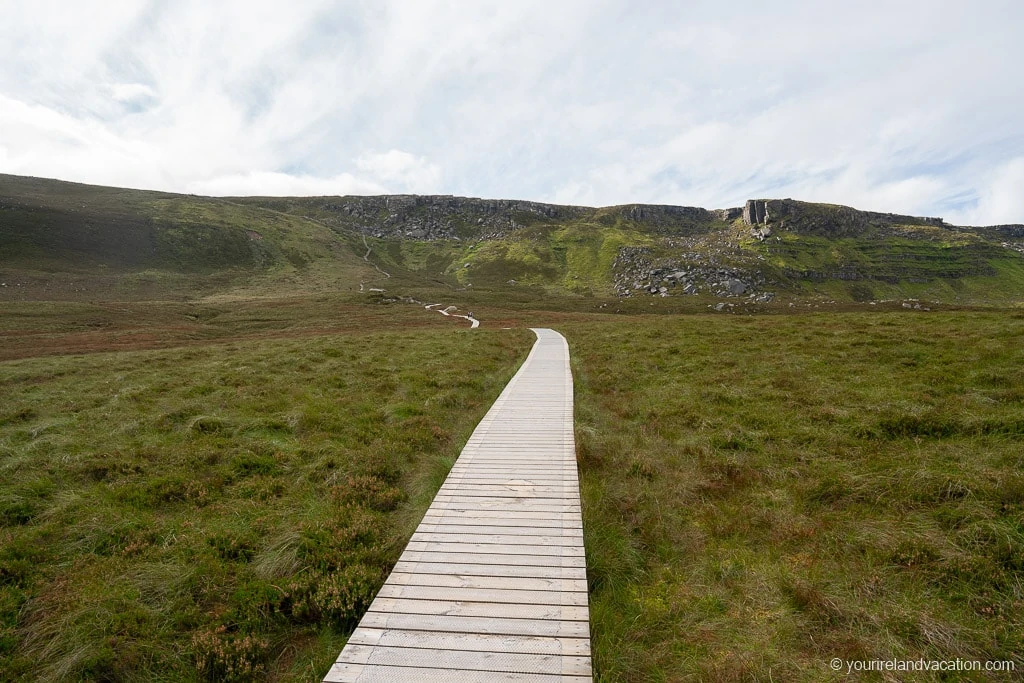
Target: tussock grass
(763, 494)
(223, 512)
(760, 494)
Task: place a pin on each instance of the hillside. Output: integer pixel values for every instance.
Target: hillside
(70, 241)
(65, 240)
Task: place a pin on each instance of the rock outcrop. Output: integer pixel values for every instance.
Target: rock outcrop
(661, 218)
(446, 217)
(435, 217)
(825, 220)
(755, 212)
(637, 272)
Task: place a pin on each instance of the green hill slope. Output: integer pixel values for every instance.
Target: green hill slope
(793, 249)
(65, 240)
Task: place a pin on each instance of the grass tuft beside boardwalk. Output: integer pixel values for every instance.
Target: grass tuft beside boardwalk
(761, 495)
(223, 512)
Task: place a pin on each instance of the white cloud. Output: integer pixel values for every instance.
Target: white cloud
(1002, 201)
(1000, 198)
(41, 141)
(131, 92)
(403, 170)
(897, 105)
(283, 185)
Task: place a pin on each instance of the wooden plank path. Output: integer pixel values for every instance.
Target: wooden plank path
(492, 586)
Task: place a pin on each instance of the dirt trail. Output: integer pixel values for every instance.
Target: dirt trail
(366, 257)
(474, 323)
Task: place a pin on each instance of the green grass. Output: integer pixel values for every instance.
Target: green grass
(763, 494)
(60, 327)
(223, 512)
(760, 493)
(564, 259)
(951, 269)
(571, 259)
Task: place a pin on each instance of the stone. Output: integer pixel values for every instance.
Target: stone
(735, 286)
(755, 212)
(719, 306)
(749, 214)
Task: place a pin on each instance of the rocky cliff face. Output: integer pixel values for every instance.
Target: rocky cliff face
(439, 217)
(661, 218)
(826, 220)
(444, 217)
(447, 217)
(1013, 231)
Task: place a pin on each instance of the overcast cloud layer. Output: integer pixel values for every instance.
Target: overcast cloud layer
(907, 106)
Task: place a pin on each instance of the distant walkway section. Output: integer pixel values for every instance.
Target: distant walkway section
(473, 322)
(492, 586)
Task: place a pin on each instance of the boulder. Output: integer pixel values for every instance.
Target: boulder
(736, 287)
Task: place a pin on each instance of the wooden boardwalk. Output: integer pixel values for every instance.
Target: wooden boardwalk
(492, 586)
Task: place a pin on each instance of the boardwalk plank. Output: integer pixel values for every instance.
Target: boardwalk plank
(443, 623)
(495, 558)
(577, 647)
(493, 570)
(493, 610)
(443, 658)
(355, 673)
(555, 597)
(472, 581)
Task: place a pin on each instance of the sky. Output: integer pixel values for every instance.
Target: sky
(909, 106)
